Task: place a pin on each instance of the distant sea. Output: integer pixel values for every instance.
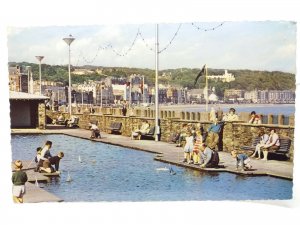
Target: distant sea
(285, 109)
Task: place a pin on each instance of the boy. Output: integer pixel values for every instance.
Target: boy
(47, 164)
(19, 178)
(241, 160)
(38, 159)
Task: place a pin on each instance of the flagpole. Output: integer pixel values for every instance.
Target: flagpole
(156, 84)
(206, 84)
(143, 89)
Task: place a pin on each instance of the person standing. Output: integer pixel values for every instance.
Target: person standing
(19, 178)
(213, 134)
(188, 148)
(124, 108)
(45, 153)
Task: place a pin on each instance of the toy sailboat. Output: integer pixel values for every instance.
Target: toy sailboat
(36, 183)
(171, 170)
(79, 159)
(69, 179)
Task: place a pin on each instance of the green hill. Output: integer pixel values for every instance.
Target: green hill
(245, 79)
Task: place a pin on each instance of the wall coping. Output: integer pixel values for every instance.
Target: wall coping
(264, 125)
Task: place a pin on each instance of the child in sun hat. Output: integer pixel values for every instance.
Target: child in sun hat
(19, 178)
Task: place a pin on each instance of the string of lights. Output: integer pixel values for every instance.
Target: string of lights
(170, 42)
(146, 44)
(139, 34)
(129, 49)
(208, 29)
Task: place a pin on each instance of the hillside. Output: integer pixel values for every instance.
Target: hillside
(245, 79)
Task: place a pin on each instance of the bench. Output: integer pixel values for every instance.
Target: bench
(255, 141)
(91, 122)
(150, 134)
(281, 153)
(115, 127)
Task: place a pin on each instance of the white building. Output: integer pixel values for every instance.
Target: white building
(251, 95)
(226, 77)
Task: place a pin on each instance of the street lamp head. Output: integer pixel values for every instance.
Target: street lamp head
(69, 39)
(40, 58)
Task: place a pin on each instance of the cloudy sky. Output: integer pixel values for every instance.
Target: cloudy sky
(269, 45)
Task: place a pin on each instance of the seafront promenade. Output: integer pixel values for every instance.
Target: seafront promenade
(163, 151)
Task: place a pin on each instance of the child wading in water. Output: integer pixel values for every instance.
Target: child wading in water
(19, 178)
(242, 160)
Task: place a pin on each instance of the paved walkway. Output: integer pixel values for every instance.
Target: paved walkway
(169, 153)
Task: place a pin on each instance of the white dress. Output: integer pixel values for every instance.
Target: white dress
(189, 146)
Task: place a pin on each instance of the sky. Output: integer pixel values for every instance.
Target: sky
(255, 45)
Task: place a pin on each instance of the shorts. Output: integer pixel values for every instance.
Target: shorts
(18, 190)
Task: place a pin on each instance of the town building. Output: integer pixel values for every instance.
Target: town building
(226, 77)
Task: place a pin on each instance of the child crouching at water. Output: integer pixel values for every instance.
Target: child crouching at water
(19, 178)
(242, 160)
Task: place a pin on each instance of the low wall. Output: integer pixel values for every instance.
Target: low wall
(234, 134)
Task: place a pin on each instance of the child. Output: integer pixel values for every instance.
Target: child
(241, 160)
(37, 159)
(195, 154)
(19, 178)
(188, 148)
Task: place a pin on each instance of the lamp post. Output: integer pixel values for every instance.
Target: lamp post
(28, 68)
(69, 41)
(40, 58)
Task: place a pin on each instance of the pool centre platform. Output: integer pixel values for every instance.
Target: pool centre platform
(164, 152)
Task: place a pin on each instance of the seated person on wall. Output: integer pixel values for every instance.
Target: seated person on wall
(207, 157)
(183, 134)
(272, 144)
(213, 134)
(230, 116)
(95, 131)
(255, 119)
(263, 138)
(145, 128)
(47, 164)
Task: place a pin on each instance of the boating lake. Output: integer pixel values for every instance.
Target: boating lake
(112, 173)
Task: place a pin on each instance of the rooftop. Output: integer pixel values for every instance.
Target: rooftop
(25, 96)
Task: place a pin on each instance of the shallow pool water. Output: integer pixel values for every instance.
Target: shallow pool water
(112, 173)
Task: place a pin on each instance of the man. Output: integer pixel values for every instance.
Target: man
(206, 156)
(272, 144)
(47, 164)
(45, 153)
(145, 128)
(213, 134)
(95, 131)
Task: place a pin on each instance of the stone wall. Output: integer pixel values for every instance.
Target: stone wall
(234, 134)
(41, 115)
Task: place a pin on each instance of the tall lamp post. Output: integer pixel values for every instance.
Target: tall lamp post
(69, 41)
(40, 58)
